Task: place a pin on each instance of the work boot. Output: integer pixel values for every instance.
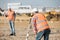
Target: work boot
(12, 34)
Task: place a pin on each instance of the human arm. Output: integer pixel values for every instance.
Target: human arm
(34, 25)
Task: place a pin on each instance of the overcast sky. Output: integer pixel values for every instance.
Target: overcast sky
(33, 3)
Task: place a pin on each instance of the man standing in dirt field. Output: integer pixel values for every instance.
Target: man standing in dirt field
(11, 17)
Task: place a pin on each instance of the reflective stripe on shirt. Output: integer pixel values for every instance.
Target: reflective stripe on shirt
(43, 26)
(40, 21)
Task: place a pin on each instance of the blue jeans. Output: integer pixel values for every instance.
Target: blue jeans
(44, 33)
(12, 26)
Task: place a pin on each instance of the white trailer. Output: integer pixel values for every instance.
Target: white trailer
(18, 8)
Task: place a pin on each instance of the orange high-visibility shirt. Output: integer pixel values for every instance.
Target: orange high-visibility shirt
(39, 22)
(11, 15)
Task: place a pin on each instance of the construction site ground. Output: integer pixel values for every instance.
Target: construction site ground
(21, 28)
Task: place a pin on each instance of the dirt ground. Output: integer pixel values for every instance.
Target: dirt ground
(21, 27)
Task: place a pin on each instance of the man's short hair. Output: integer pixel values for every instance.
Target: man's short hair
(10, 9)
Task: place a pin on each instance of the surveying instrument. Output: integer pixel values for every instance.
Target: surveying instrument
(29, 28)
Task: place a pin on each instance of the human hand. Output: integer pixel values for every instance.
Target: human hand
(35, 32)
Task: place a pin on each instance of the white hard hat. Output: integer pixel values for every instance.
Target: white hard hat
(34, 10)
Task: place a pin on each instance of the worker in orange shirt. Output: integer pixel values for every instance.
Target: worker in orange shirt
(11, 17)
(40, 26)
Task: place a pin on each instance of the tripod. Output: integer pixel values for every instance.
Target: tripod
(28, 29)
